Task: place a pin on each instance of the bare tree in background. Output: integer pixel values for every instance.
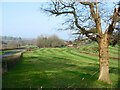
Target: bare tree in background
(41, 41)
(51, 41)
(89, 19)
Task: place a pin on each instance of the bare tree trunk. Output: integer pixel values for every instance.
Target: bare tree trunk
(104, 59)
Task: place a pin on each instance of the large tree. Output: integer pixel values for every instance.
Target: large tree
(90, 20)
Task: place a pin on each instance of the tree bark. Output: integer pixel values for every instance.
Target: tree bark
(104, 59)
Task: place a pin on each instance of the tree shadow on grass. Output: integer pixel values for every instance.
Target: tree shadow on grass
(83, 56)
(47, 72)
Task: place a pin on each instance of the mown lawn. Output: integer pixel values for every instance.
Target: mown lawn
(93, 48)
(58, 68)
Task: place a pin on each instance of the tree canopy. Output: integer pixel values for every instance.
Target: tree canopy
(87, 18)
(95, 20)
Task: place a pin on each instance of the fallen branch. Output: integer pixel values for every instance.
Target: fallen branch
(89, 78)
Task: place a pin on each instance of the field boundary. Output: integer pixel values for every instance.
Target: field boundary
(9, 62)
(4, 49)
(111, 57)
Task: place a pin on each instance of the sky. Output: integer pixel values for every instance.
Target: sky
(24, 19)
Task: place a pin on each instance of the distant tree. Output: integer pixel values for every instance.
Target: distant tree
(70, 42)
(51, 41)
(13, 44)
(41, 41)
(17, 41)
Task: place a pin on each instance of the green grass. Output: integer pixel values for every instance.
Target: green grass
(3, 52)
(58, 68)
(113, 51)
(93, 48)
(27, 46)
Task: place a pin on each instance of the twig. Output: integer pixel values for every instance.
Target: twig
(89, 78)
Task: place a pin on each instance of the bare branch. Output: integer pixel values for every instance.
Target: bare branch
(111, 27)
(92, 11)
(95, 16)
(58, 13)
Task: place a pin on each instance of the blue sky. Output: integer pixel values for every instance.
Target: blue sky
(24, 19)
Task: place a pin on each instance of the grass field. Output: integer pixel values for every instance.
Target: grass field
(3, 52)
(93, 48)
(58, 68)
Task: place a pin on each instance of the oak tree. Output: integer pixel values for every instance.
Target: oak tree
(89, 19)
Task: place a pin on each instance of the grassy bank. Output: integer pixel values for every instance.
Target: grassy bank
(4, 52)
(58, 68)
(93, 48)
